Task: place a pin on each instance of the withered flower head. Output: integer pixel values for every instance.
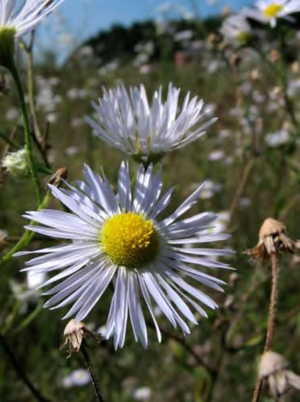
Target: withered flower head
(58, 176)
(75, 332)
(273, 239)
(273, 368)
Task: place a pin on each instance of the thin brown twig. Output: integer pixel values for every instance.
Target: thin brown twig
(273, 302)
(22, 375)
(188, 348)
(91, 370)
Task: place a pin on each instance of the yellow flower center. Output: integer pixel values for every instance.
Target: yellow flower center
(272, 10)
(130, 240)
(244, 37)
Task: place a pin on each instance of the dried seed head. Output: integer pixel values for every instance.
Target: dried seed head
(273, 239)
(270, 363)
(75, 332)
(273, 368)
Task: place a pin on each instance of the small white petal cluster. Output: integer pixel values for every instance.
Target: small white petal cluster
(85, 268)
(126, 120)
(26, 18)
(268, 11)
(16, 163)
(236, 29)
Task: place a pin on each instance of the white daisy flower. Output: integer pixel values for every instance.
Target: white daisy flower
(128, 122)
(24, 19)
(236, 29)
(268, 11)
(119, 237)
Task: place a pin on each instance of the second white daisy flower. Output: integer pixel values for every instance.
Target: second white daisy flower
(127, 121)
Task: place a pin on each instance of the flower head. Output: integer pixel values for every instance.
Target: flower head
(237, 29)
(120, 236)
(16, 20)
(128, 122)
(268, 11)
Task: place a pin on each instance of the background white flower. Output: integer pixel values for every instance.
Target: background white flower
(77, 378)
(268, 11)
(127, 121)
(119, 236)
(236, 28)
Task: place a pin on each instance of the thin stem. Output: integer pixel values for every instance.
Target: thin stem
(257, 390)
(242, 184)
(28, 144)
(27, 236)
(188, 348)
(91, 370)
(22, 375)
(271, 319)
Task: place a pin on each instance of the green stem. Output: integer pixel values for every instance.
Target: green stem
(27, 236)
(28, 144)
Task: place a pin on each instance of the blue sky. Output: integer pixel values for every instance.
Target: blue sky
(77, 20)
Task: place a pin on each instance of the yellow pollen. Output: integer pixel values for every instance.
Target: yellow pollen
(272, 10)
(130, 240)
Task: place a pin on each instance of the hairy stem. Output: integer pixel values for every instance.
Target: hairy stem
(273, 302)
(28, 143)
(271, 319)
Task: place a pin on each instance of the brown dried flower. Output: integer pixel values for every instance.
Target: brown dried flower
(58, 176)
(273, 368)
(273, 239)
(75, 332)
